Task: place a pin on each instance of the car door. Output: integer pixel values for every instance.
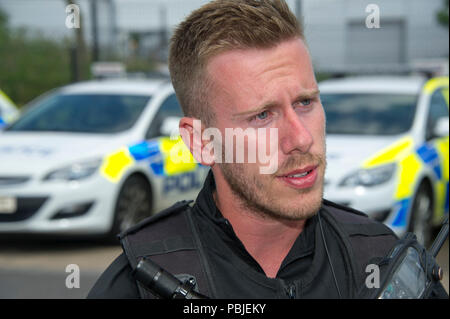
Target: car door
(438, 110)
(177, 179)
(170, 107)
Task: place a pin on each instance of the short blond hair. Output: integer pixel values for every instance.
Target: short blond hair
(220, 26)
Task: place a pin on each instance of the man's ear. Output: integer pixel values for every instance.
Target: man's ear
(191, 130)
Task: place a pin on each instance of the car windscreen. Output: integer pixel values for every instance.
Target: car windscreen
(83, 113)
(369, 114)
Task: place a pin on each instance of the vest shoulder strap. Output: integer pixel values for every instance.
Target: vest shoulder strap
(168, 239)
(368, 239)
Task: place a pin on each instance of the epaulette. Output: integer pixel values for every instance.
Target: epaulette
(161, 215)
(341, 207)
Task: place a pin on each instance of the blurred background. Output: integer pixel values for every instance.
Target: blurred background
(41, 49)
(134, 34)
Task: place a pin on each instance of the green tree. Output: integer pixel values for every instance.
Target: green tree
(3, 27)
(442, 14)
(30, 64)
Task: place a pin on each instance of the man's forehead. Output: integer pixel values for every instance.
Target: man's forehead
(251, 56)
(243, 72)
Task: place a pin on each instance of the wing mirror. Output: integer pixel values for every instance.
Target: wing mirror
(441, 128)
(170, 126)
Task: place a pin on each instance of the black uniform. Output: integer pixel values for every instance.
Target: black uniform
(337, 240)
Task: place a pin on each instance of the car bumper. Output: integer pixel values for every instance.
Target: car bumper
(65, 208)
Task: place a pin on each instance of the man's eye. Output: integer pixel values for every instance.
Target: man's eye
(306, 102)
(262, 115)
(261, 118)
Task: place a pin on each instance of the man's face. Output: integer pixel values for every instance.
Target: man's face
(272, 88)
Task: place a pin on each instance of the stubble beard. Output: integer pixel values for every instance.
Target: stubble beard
(254, 195)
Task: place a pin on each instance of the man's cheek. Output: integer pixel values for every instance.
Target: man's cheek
(268, 150)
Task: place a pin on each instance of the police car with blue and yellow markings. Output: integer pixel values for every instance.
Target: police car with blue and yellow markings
(8, 111)
(388, 149)
(94, 158)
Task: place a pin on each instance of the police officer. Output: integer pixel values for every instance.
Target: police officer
(259, 228)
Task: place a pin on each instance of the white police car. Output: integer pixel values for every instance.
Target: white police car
(8, 111)
(388, 149)
(93, 158)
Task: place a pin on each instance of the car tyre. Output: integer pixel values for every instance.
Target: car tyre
(133, 204)
(421, 216)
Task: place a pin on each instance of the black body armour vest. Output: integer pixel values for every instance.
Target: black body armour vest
(173, 240)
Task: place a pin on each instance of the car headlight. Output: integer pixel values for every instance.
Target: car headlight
(75, 171)
(370, 177)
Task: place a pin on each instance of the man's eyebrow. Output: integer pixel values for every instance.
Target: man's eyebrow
(307, 94)
(267, 105)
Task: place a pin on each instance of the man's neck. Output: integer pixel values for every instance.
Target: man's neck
(266, 239)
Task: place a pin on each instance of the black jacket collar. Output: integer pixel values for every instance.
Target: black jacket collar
(206, 207)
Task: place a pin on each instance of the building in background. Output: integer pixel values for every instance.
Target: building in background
(409, 35)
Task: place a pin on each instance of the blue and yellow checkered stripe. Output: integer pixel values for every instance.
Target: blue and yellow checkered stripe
(410, 160)
(165, 156)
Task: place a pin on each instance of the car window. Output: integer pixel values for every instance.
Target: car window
(438, 108)
(170, 107)
(368, 114)
(84, 113)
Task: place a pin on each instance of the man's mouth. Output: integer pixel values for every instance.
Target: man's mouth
(301, 178)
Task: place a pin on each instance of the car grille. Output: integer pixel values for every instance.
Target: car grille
(26, 207)
(13, 180)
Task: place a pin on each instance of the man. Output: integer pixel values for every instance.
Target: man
(245, 65)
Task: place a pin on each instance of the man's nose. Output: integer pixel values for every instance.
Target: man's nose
(294, 135)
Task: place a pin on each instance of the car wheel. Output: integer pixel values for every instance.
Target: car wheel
(134, 203)
(421, 216)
